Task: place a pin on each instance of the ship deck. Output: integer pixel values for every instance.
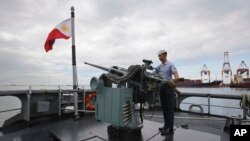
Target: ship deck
(189, 127)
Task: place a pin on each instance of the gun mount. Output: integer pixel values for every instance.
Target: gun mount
(115, 105)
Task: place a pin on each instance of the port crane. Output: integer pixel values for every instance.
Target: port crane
(243, 70)
(226, 71)
(205, 74)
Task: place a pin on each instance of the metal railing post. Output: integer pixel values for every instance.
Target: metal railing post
(208, 104)
(84, 94)
(60, 101)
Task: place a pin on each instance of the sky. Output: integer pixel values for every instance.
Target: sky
(121, 33)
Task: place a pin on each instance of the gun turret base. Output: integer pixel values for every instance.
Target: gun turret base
(118, 133)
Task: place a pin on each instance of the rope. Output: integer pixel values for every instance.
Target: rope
(245, 101)
(153, 107)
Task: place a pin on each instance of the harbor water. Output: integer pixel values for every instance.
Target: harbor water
(222, 107)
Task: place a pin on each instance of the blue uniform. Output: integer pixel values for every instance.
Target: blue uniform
(166, 70)
(167, 95)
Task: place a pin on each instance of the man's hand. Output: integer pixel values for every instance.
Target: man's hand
(171, 84)
(178, 80)
(175, 81)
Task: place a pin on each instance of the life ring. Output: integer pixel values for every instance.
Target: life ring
(88, 103)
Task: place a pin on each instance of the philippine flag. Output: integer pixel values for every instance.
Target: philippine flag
(61, 31)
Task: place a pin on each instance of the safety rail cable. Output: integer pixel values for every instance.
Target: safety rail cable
(212, 105)
(10, 110)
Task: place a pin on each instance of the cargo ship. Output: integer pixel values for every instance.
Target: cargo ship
(245, 83)
(203, 82)
(199, 84)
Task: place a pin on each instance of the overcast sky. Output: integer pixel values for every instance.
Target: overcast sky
(120, 32)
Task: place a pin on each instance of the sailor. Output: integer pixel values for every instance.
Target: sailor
(166, 70)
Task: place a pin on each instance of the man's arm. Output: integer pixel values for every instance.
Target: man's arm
(176, 76)
(156, 70)
(175, 73)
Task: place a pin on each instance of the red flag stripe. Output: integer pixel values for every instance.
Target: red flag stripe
(54, 34)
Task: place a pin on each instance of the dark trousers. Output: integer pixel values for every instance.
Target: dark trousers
(167, 97)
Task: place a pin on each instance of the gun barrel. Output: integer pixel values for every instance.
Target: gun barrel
(96, 66)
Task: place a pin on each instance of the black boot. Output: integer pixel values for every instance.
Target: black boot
(162, 128)
(167, 131)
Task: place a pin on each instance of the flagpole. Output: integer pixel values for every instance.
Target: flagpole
(75, 83)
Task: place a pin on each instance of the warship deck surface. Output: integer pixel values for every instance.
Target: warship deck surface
(189, 127)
